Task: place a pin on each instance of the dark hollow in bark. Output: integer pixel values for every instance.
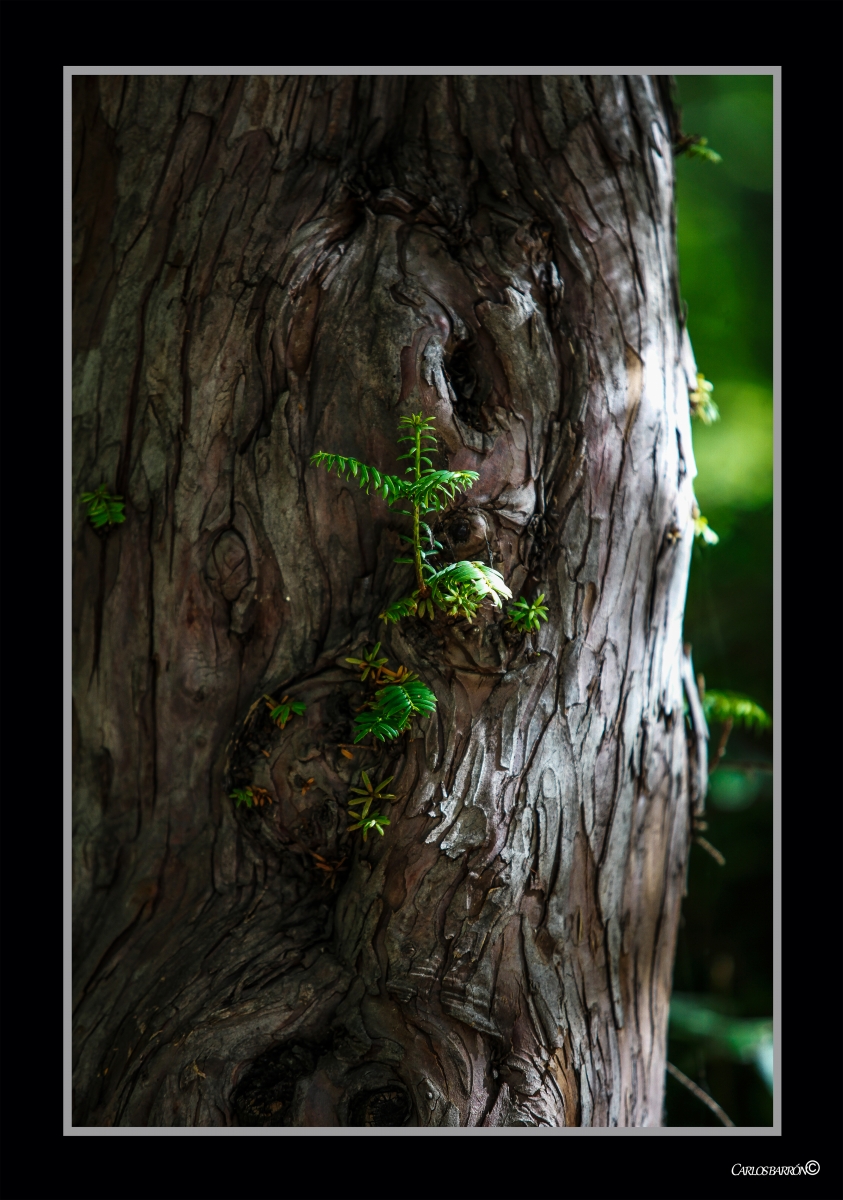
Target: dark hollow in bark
(269, 266)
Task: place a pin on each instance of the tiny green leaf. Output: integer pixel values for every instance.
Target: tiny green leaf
(527, 616)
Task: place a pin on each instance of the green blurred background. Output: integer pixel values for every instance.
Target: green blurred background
(721, 1012)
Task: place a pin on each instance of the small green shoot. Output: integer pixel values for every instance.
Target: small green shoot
(457, 589)
(369, 662)
(103, 508)
(528, 616)
(697, 147)
(407, 606)
(281, 713)
(251, 795)
(367, 824)
(367, 795)
(702, 405)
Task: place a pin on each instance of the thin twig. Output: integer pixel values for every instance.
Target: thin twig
(697, 1091)
(712, 850)
(721, 749)
(251, 710)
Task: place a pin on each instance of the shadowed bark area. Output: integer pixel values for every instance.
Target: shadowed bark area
(270, 266)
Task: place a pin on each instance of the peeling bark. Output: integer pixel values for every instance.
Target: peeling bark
(269, 266)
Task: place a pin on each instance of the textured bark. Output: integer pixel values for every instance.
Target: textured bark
(269, 266)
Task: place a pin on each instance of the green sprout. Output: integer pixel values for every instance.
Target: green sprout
(375, 821)
(527, 617)
(702, 405)
(103, 508)
(407, 606)
(369, 662)
(251, 795)
(461, 602)
(281, 713)
(458, 589)
(367, 796)
(697, 147)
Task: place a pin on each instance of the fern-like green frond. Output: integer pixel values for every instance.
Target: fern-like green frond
(103, 508)
(468, 577)
(398, 701)
(434, 489)
(376, 724)
(734, 707)
(493, 584)
(392, 708)
(390, 487)
(405, 607)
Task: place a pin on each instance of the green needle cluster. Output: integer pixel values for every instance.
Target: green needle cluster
(370, 662)
(392, 709)
(528, 616)
(376, 821)
(369, 793)
(103, 508)
(281, 713)
(367, 796)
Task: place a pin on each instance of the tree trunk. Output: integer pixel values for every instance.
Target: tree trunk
(270, 266)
